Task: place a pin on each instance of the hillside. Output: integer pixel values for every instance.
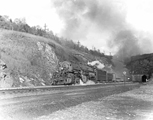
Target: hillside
(29, 60)
(140, 64)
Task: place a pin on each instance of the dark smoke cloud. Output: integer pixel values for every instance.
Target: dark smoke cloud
(81, 15)
(106, 14)
(127, 44)
(101, 19)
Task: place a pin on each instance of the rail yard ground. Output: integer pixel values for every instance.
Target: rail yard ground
(86, 102)
(136, 104)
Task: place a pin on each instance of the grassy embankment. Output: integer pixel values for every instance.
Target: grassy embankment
(20, 53)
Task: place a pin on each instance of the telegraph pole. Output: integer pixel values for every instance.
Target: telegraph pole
(45, 27)
(124, 77)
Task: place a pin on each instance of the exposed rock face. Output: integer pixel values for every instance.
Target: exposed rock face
(48, 55)
(27, 60)
(27, 65)
(43, 64)
(6, 81)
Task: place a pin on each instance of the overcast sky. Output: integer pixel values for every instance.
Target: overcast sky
(138, 15)
(36, 12)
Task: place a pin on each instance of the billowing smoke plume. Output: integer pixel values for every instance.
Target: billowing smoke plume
(127, 44)
(82, 16)
(101, 21)
(131, 43)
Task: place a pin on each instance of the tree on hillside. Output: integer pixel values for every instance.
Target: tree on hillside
(19, 24)
(5, 22)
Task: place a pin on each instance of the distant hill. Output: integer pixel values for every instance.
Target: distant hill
(140, 64)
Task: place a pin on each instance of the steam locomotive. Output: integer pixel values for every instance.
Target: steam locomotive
(72, 73)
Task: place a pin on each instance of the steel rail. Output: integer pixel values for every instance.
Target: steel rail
(49, 88)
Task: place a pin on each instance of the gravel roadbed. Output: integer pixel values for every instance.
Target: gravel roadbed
(136, 104)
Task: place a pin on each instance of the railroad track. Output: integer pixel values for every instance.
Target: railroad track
(28, 91)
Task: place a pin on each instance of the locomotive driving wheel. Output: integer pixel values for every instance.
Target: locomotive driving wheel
(84, 78)
(77, 80)
(70, 78)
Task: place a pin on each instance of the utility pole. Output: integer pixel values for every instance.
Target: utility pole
(124, 76)
(45, 27)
